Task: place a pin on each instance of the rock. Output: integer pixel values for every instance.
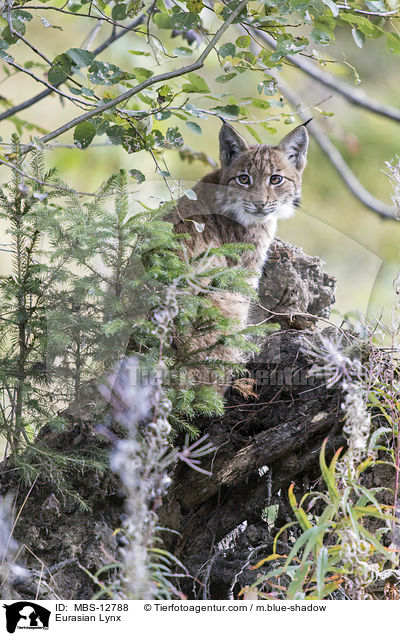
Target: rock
(294, 289)
(262, 443)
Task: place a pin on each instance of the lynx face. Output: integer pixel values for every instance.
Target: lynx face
(260, 184)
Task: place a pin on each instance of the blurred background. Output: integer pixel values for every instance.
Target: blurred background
(358, 247)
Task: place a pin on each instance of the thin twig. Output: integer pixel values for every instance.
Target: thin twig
(380, 14)
(44, 57)
(353, 95)
(382, 209)
(163, 77)
(102, 16)
(356, 188)
(52, 88)
(32, 47)
(89, 39)
(37, 98)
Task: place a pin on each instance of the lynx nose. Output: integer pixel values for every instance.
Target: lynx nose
(260, 204)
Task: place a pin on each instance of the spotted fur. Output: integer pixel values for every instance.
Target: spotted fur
(241, 202)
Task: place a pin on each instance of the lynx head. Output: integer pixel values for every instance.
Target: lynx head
(260, 183)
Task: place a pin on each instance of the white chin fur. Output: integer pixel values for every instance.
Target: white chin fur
(284, 211)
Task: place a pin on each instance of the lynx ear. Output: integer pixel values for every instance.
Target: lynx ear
(231, 145)
(295, 146)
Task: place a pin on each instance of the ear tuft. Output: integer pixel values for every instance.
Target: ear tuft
(231, 145)
(295, 146)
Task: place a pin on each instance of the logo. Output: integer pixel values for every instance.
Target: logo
(26, 615)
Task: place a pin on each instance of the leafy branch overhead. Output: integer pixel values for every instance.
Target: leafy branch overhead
(148, 96)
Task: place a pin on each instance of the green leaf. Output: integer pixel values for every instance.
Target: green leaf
(128, 138)
(298, 510)
(193, 196)
(230, 111)
(19, 18)
(393, 42)
(197, 84)
(178, 20)
(87, 91)
(267, 86)
(262, 104)
(174, 136)
(321, 567)
(164, 114)
(142, 74)
(227, 49)
(80, 57)
(190, 108)
(182, 51)
(328, 589)
(5, 56)
(230, 8)
(362, 23)
(329, 473)
(83, 135)
(295, 589)
(321, 36)
(163, 20)
(289, 44)
(118, 11)
(333, 7)
(116, 134)
(378, 5)
(104, 73)
(194, 127)
(60, 69)
(135, 52)
(358, 37)
(113, 327)
(222, 79)
(184, 21)
(131, 141)
(243, 42)
(254, 134)
(136, 174)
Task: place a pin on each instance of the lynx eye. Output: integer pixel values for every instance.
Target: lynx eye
(275, 179)
(243, 179)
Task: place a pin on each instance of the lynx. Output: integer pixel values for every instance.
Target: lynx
(241, 202)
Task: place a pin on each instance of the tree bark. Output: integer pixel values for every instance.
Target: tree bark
(263, 442)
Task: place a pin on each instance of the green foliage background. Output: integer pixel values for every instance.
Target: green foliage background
(360, 249)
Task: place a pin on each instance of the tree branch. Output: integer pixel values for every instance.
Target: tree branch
(32, 47)
(163, 77)
(356, 188)
(89, 39)
(37, 98)
(354, 96)
(75, 100)
(382, 209)
(102, 16)
(379, 14)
